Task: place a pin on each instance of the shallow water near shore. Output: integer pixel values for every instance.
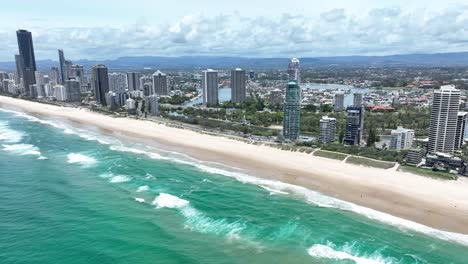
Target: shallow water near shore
(70, 195)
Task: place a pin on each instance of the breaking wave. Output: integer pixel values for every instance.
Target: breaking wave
(274, 187)
(328, 252)
(9, 135)
(196, 220)
(81, 159)
(24, 149)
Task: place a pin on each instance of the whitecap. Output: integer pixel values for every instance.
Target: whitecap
(143, 188)
(164, 200)
(24, 149)
(326, 251)
(140, 200)
(196, 220)
(9, 135)
(81, 159)
(119, 179)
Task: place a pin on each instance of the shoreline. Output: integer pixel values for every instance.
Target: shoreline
(439, 204)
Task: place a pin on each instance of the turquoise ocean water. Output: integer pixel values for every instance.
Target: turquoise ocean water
(71, 195)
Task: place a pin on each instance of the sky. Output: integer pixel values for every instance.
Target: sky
(108, 29)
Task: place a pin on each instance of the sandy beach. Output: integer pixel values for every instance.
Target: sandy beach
(435, 203)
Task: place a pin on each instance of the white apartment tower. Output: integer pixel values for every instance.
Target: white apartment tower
(327, 130)
(401, 139)
(444, 116)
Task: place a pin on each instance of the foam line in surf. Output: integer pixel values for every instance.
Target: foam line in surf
(327, 252)
(308, 195)
(24, 149)
(196, 220)
(9, 135)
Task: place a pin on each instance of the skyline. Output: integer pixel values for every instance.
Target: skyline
(338, 28)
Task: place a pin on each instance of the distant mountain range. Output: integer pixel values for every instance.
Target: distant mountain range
(216, 62)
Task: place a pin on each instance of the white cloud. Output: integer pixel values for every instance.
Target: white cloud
(332, 33)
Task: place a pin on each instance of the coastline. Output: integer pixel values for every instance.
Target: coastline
(439, 204)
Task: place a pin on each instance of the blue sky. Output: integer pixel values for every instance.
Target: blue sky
(104, 29)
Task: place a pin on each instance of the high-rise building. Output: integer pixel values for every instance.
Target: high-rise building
(294, 70)
(100, 83)
(63, 76)
(209, 86)
(401, 139)
(117, 82)
(77, 72)
(339, 101)
(133, 80)
(19, 69)
(160, 83)
(73, 90)
(148, 88)
(292, 111)
(238, 85)
(276, 97)
(143, 80)
(26, 51)
(327, 130)
(54, 76)
(153, 104)
(67, 69)
(444, 116)
(357, 100)
(251, 75)
(60, 93)
(354, 125)
(461, 127)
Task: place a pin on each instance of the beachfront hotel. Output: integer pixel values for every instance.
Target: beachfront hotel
(327, 130)
(292, 111)
(354, 125)
(100, 83)
(27, 60)
(444, 116)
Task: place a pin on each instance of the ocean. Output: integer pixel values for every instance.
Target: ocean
(74, 195)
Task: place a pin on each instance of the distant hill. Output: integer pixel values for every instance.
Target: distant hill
(202, 62)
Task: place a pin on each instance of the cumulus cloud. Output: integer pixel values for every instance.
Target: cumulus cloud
(332, 33)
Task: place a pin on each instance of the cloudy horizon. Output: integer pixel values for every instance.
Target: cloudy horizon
(112, 29)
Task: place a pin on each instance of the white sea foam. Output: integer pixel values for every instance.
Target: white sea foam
(196, 220)
(149, 154)
(273, 191)
(309, 195)
(164, 200)
(326, 251)
(119, 179)
(24, 149)
(140, 200)
(143, 188)
(106, 175)
(81, 159)
(85, 134)
(9, 135)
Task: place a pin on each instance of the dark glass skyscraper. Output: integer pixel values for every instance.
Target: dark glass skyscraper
(292, 111)
(354, 125)
(26, 50)
(100, 83)
(63, 78)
